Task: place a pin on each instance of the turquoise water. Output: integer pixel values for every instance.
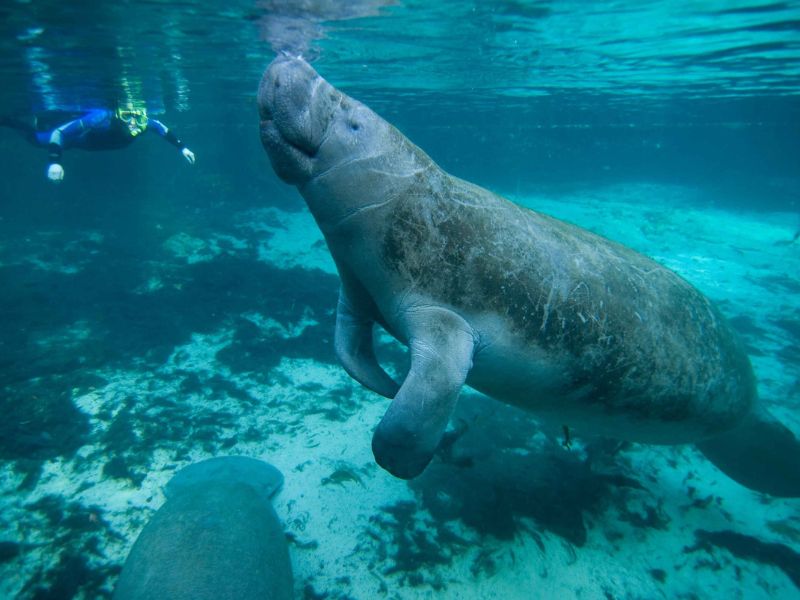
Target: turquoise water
(153, 313)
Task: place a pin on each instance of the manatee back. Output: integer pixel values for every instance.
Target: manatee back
(217, 537)
(259, 475)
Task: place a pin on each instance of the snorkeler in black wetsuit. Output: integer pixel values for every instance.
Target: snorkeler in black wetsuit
(96, 129)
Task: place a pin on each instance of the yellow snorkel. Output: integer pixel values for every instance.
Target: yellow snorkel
(134, 118)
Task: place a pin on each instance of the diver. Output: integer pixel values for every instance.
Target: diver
(96, 129)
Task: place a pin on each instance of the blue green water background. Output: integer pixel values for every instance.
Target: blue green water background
(154, 313)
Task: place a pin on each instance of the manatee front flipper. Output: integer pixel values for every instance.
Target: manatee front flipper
(441, 345)
(353, 343)
(761, 454)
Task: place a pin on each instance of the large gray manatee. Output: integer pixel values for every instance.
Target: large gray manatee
(217, 537)
(530, 310)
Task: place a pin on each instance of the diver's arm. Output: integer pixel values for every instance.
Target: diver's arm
(66, 134)
(168, 135)
(55, 147)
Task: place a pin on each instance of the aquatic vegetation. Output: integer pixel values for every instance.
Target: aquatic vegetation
(71, 576)
(746, 325)
(414, 546)
(788, 528)
(659, 575)
(653, 517)
(751, 548)
(9, 551)
(780, 283)
(495, 474)
(338, 404)
(40, 420)
(79, 536)
(343, 474)
(484, 563)
(309, 593)
(790, 325)
(303, 545)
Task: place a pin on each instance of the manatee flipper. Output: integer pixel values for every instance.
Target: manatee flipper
(441, 345)
(761, 454)
(355, 350)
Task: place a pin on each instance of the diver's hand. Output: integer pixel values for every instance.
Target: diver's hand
(188, 155)
(55, 172)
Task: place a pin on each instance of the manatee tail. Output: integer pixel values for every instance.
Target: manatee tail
(761, 454)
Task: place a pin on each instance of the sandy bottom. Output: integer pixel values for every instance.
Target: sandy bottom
(597, 521)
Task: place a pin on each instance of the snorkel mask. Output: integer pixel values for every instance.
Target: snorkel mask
(135, 119)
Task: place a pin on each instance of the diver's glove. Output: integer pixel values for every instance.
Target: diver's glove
(188, 155)
(55, 172)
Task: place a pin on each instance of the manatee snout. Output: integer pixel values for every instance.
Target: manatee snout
(295, 107)
(285, 88)
(282, 100)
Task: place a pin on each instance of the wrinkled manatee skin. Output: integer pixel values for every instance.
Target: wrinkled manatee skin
(213, 540)
(527, 309)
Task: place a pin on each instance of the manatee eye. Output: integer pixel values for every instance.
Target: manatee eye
(354, 126)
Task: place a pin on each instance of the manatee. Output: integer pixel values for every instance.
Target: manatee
(216, 537)
(525, 308)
